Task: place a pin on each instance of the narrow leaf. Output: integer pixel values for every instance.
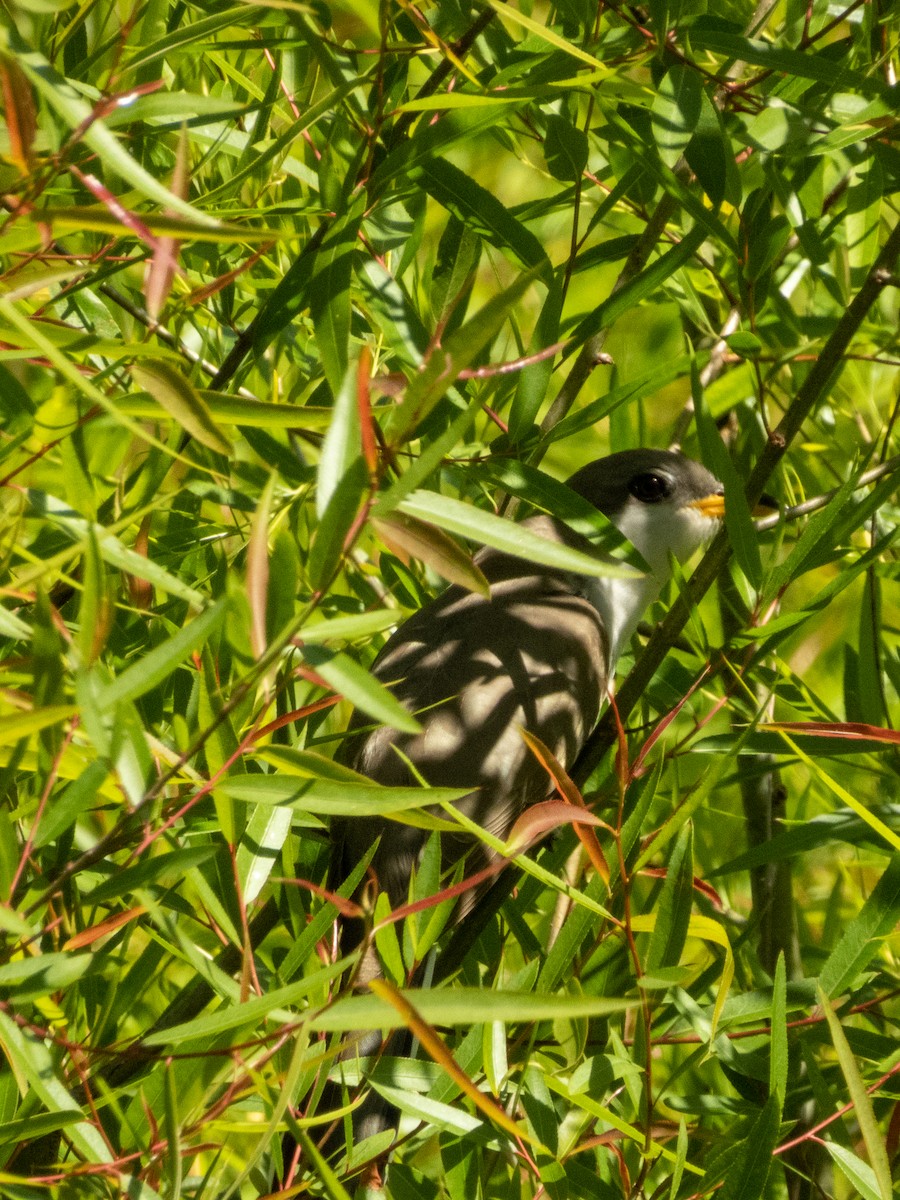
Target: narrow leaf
(674, 907)
(454, 354)
(862, 938)
(260, 848)
(435, 1047)
(463, 1006)
(329, 797)
(160, 662)
(362, 625)
(676, 111)
(29, 1056)
(862, 1103)
(258, 569)
(641, 286)
(342, 444)
(481, 211)
(738, 521)
(859, 1173)
(329, 294)
(778, 1038)
(330, 542)
(746, 1177)
(407, 536)
(355, 683)
(490, 530)
(847, 797)
(182, 402)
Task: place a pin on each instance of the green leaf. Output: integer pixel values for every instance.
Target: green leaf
(858, 1172)
(463, 1006)
(387, 941)
(162, 871)
(802, 64)
(112, 549)
(159, 663)
(342, 444)
(744, 343)
(482, 212)
(13, 727)
(309, 764)
(676, 111)
(274, 1006)
(334, 1189)
(535, 377)
(234, 410)
(673, 912)
(629, 393)
(870, 700)
(37, 1126)
(329, 293)
(550, 496)
(862, 1103)
(393, 312)
(484, 527)
(185, 37)
(355, 683)
(260, 848)
(861, 939)
(456, 353)
(843, 825)
(330, 798)
(263, 579)
(46, 973)
(778, 1037)
(330, 542)
(450, 1117)
(710, 155)
(181, 401)
(361, 625)
(458, 252)
(28, 1054)
(640, 286)
(78, 798)
(678, 1169)
(738, 520)
(746, 1177)
(565, 148)
(549, 35)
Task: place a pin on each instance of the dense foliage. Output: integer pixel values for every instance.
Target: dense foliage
(296, 298)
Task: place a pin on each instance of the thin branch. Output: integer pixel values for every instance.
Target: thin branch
(814, 503)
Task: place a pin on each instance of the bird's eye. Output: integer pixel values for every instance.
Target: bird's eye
(650, 488)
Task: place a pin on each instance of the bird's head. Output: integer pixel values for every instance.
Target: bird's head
(661, 501)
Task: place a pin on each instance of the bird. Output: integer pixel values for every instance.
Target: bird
(537, 653)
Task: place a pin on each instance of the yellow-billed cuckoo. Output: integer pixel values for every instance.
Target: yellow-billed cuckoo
(538, 654)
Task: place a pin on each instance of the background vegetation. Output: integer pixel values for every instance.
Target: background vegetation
(293, 295)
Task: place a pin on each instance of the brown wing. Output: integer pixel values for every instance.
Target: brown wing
(475, 671)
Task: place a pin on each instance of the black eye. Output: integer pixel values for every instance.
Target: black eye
(650, 488)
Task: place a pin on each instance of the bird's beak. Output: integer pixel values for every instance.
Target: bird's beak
(712, 506)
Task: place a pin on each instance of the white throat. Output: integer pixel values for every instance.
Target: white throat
(621, 603)
(656, 531)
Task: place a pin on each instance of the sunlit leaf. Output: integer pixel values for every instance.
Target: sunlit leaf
(175, 394)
